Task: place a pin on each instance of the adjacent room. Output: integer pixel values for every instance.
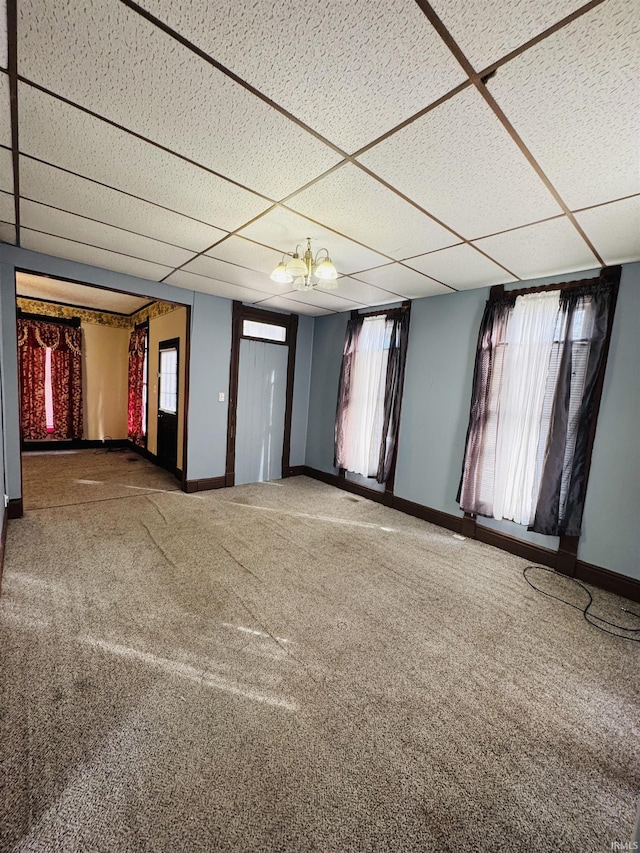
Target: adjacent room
(319, 409)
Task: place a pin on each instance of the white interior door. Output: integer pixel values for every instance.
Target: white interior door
(262, 391)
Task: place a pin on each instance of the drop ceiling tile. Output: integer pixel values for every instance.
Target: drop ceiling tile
(237, 250)
(7, 207)
(4, 53)
(6, 170)
(573, 98)
(7, 233)
(65, 136)
(331, 300)
(126, 69)
(283, 229)
(366, 294)
(61, 248)
(56, 290)
(46, 184)
(234, 274)
(360, 207)
(453, 162)
(301, 56)
(614, 230)
(409, 283)
(461, 267)
(5, 111)
(39, 217)
(192, 281)
(487, 31)
(283, 303)
(539, 250)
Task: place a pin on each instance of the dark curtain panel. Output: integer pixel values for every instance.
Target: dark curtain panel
(65, 343)
(354, 327)
(137, 343)
(393, 393)
(31, 356)
(585, 318)
(66, 384)
(474, 494)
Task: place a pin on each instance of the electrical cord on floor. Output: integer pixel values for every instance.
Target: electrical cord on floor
(588, 616)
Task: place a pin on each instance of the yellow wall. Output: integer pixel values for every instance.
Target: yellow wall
(173, 325)
(105, 360)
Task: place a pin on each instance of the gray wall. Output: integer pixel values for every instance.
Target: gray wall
(435, 412)
(328, 341)
(301, 389)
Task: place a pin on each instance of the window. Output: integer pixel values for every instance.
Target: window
(537, 362)
(145, 382)
(370, 393)
(48, 392)
(169, 380)
(266, 331)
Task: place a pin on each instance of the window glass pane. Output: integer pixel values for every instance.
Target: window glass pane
(169, 380)
(255, 329)
(48, 391)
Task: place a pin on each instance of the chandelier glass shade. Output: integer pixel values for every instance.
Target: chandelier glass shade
(304, 272)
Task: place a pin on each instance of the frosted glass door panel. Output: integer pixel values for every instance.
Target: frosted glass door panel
(262, 387)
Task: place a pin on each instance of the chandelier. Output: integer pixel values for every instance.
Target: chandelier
(301, 271)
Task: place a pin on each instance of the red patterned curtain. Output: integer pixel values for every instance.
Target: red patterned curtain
(31, 365)
(137, 345)
(65, 343)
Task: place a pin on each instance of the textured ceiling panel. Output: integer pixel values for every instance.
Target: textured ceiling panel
(543, 249)
(408, 283)
(366, 294)
(60, 248)
(201, 283)
(614, 230)
(7, 207)
(284, 229)
(487, 31)
(5, 112)
(65, 136)
(3, 34)
(453, 162)
(323, 299)
(6, 170)
(282, 303)
(49, 185)
(39, 217)
(7, 233)
(302, 55)
(245, 253)
(461, 267)
(574, 99)
(357, 205)
(42, 287)
(129, 71)
(234, 274)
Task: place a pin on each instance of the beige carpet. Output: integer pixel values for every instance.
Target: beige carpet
(287, 667)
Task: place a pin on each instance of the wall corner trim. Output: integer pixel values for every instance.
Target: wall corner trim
(204, 485)
(15, 508)
(3, 542)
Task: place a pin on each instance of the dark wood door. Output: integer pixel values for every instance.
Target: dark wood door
(168, 364)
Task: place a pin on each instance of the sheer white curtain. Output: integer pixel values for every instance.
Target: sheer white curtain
(365, 414)
(529, 342)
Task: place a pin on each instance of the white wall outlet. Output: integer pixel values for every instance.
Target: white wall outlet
(6, 501)
(221, 396)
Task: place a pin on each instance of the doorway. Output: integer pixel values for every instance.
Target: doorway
(261, 395)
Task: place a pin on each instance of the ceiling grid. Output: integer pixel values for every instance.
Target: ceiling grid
(430, 147)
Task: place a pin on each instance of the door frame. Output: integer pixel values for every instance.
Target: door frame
(290, 323)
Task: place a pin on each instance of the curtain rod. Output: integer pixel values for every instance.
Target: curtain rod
(406, 306)
(608, 275)
(45, 318)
